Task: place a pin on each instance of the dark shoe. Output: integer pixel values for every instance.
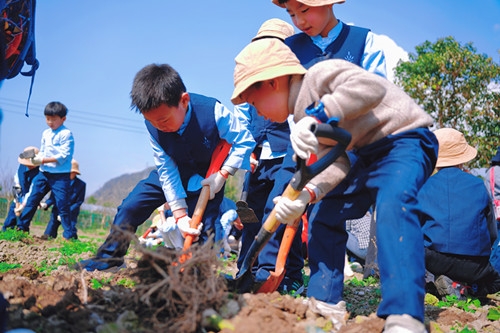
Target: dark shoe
(44, 237)
(100, 264)
(446, 286)
(291, 287)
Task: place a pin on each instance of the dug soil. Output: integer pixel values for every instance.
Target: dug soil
(158, 292)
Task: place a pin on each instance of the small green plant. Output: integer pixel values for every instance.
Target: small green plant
(127, 283)
(5, 267)
(75, 247)
(99, 284)
(493, 314)
(13, 235)
(468, 305)
(459, 329)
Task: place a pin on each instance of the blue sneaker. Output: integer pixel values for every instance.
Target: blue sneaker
(291, 287)
(100, 264)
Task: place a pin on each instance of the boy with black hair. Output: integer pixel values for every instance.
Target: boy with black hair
(54, 159)
(184, 129)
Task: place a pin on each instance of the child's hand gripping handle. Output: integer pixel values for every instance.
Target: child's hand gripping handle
(219, 155)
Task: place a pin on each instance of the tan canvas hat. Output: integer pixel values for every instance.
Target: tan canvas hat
(453, 148)
(262, 60)
(156, 221)
(312, 3)
(274, 28)
(27, 161)
(75, 167)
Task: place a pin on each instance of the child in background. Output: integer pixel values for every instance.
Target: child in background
(23, 178)
(395, 151)
(76, 198)
(54, 159)
(458, 226)
(184, 129)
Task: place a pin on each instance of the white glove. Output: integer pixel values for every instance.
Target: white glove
(215, 181)
(37, 160)
(184, 226)
(59, 218)
(287, 211)
(171, 234)
(43, 205)
(304, 142)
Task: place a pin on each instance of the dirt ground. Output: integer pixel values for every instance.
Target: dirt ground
(168, 296)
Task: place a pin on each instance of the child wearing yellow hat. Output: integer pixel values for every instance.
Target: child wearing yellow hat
(395, 153)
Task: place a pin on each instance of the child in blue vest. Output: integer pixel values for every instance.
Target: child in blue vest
(23, 178)
(395, 152)
(54, 158)
(323, 37)
(458, 226)
(184, 129)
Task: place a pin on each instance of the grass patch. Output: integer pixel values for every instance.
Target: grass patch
(14, 235)
(5, 267)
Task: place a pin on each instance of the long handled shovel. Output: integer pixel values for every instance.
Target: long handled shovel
(244, 280)
(218, 157)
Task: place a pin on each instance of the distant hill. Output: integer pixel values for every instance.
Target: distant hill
(115, 190)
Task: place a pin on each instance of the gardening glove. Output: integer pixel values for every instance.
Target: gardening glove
(43, 206)
(59, 218)
(37, 160)
(184, 225)
(253, 162)
(287, 211)
(172, 236)
(304, 142)
(216, 182)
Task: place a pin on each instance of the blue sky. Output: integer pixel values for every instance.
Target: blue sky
(90, 50)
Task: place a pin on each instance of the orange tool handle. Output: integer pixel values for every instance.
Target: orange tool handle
(219, 155)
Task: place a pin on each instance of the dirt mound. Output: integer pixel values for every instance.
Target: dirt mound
(157, 293)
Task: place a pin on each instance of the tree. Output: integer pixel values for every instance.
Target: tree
(458, 88)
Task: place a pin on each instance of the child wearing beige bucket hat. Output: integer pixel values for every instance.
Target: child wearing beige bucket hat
(322, 37)
(23, 178)
(458, 228)
(395, 153)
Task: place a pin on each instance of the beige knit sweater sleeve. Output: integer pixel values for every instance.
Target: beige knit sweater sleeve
(368, 106)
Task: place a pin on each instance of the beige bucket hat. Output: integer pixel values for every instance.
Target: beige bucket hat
(156, 221)
(453, 148)
(75, 167)
(312, 3)
(262, 60)
(27, 161)
(274, 28)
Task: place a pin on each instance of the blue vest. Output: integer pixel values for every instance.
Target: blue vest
(453, 206)
(192, 150)
(349, 45)
(26, 177)
(278, 134)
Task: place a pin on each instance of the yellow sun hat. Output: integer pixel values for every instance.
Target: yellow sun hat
(261, 60)
(453, 148)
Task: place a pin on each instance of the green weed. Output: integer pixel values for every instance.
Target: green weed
(99, 284)
(5, 267)
(493, 314)
(468, 305)
(127, 283)
(13, 235)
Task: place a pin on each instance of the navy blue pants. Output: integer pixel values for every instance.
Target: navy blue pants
(53, 225)
(59, 184)
(389, 174)
(261, 184)
(11, 219)
(138, 206)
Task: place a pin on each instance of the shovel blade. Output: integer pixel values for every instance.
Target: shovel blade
(245, 213)
(272, 283)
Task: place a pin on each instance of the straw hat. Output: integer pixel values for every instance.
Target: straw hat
(27, 161)
(262, 60)
(274, 28)
(312, 3)
(75, 167)
(453, 148)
